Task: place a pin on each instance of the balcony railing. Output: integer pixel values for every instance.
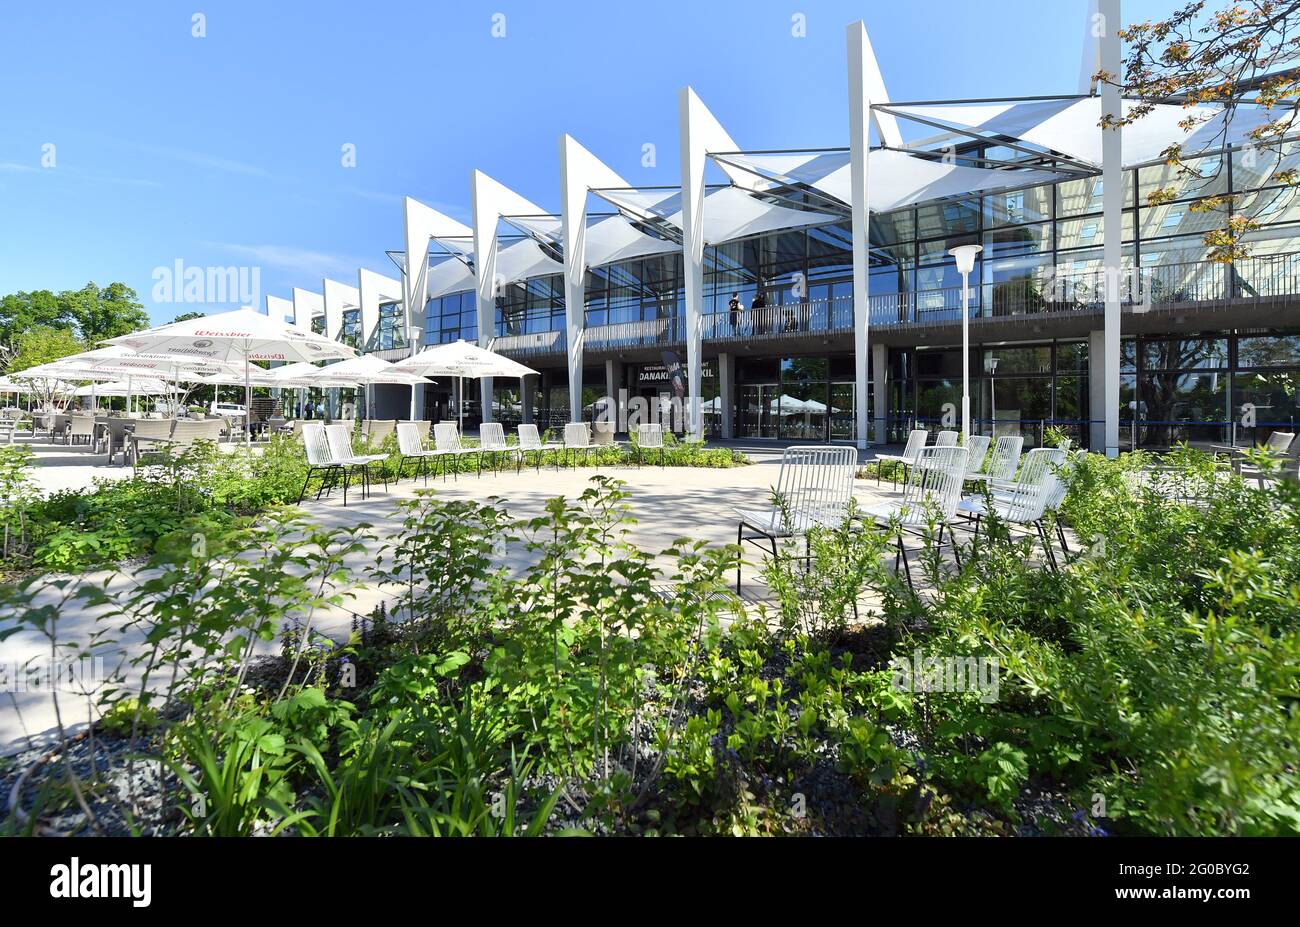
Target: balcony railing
(633, 334)
(1257, 278)
(551, 342)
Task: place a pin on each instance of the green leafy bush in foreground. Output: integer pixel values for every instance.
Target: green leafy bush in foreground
(1149, 687)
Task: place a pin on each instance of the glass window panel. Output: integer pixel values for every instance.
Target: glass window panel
(1206, 179)
(1279, 204)
(893, 227)
(1089, 231)
(1185, 354)
(1274, 396)
(1024, 239)
(1032, 205)
(1268, 350)
(954, 217)
(1177, 219)
(1079, 197)
(1252, 168)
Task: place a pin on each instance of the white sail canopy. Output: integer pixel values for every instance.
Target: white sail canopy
(897, 179)
(729, 212)
(1072, 127)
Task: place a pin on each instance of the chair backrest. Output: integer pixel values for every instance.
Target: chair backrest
(1006, 457)
(339, 439)
(492, 437)
(577, 435)
(1064, 474)
(650, 435)
(1279, 442)
(186, 433)
(297, 427)
(978, 446)
(82, 425)
(815, 485)
(446, 437)
(317, 444)
(409, 439)
(602, 433)
(379, 429)
(916, 439)
(934, 483)
(154, 428)
(1027, 496)
(529, 439)
(947, 439)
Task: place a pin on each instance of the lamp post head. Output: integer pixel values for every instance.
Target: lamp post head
(991, 364)
(965, 255)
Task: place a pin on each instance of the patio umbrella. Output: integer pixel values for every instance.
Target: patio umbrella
(147, 387)
(244, 335)
(365, 371)
(460, 359)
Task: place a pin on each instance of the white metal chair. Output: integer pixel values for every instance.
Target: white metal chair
(339, 437)
(530, 441)
(649, 437)
(319, 458)
(1022, 501)
(978, 445)
(1064, 476)
(916, 439)
(947, 439)
(410, 446)
(1004, 461)
(577, 437)
(932, 491)
(814, 489)
(446, 441)
(81, 426)
(492, 440)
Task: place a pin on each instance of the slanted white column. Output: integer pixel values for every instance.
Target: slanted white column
(492, 200)
(580, 173)
(306, 306)
(422, 224)
(1112, 174)
(375, 289)
(339, 297)
(694, 156)
(866, 86)
(859, 158)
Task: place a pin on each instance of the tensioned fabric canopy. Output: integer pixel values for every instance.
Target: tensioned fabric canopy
(609, 239)
(896, 179)
(450, 275)
(1072, 127)
(524, 259)
(729, 212)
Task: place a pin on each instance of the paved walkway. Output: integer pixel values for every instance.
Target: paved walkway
(667, 503)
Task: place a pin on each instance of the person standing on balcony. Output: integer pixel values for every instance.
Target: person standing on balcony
(759, 303)
(733, 311)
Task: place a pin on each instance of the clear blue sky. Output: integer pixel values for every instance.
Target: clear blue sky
(227, 149)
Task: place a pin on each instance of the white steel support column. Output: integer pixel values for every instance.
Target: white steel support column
(694, 155)
(492, 200)
(866, 86)
(859, 157)
(1112, 173)
(421, 225)
(580, 173)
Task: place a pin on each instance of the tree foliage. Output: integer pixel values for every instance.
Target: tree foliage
(1236, 56)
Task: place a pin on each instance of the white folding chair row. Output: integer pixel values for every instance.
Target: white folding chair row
(492, 440)
(916, 439)
(329, 451)
(530, 441)
(1003, 463)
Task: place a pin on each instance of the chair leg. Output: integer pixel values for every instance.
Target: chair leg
(907, 567)
(1060, 534)
(740, 552)
(304, 484)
